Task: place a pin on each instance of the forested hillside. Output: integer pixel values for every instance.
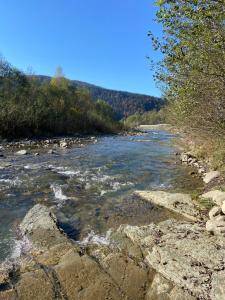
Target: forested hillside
(124, 104)
(32, 107)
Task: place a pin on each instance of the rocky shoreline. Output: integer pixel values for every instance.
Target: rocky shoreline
(175, 259)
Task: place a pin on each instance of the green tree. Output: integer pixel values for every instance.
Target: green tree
(193, 65)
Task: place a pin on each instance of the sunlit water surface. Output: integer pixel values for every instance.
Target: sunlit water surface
(90, 187)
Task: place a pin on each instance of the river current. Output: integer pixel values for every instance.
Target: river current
(91, 187)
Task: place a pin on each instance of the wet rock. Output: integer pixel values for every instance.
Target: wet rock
(22, 152)
(36, 154)
(41, 228)
(5, 165)
(216, 196)
(210, 176)
(177, 202)
(215, 211)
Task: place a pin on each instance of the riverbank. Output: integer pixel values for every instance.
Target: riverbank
(172, 258)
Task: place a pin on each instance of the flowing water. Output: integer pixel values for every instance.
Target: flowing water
(91, 187)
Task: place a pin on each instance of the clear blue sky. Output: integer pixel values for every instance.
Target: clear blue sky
(98, 41)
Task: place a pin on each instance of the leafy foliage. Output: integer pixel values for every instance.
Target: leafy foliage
(124, 104)
(148, 118)
(30, 107)
(193, 65)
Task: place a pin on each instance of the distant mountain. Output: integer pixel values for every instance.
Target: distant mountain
(124, 104)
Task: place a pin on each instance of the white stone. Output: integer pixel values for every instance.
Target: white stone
(22, 152)
(223, 207)
(216, 196)
(210, 176)
(215, 211)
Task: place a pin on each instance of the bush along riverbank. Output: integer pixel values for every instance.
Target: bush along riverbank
(32, 108)
(181, 257)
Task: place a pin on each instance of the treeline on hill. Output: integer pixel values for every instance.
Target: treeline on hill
(193, 70)
(30, 107)
(124, 104)
(149, 118)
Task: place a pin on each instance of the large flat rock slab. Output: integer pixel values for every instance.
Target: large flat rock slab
(183, 253)
(176, 202)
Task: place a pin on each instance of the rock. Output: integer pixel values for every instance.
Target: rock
(36, 285)
(223, 207)
(184, 157)
(4, 165)
(177, 202)
(216, 226)
(36, 154)
(187, 257)
(160, 289)
(131, 278)
(216, 196)
(63, 144)
(201, 171)
(41, 228)
(218, 287)
(215, 211)
(81, 278)
(210, 176)
(51, 152)
(22, 152)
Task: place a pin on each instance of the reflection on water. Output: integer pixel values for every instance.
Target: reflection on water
(91, 187)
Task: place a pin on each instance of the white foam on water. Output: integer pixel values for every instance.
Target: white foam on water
(96, 239)
(58, 192)
(20, 247)
(32, 167)
(69, 173)
(12, 182)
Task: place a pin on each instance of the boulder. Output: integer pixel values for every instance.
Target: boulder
(210, 176)
(215, 211)
(216, 226)
(63, 144)
(218, 197)
(41, 228)
(177, 202)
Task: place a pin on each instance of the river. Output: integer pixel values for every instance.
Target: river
(91, 187)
